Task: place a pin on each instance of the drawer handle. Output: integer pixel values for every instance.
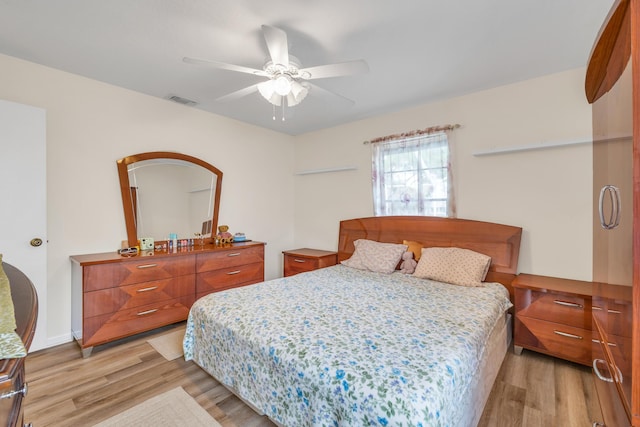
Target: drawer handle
(142, 313)
(150, 288)
(146, 266)
(614, 311)
(231, 273)
(299, 260)
(565, 334)
(610, 344)
(568, 304)
(10, 394)
(234, 254)
(597, 424)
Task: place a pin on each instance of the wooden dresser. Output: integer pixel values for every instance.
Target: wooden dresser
(305, 259)
(115, 296)
(13, 387)
(553, 316)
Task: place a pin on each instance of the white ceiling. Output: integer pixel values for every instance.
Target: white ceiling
(418, 51)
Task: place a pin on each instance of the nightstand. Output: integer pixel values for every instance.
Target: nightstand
(305, 259)
(553, 316)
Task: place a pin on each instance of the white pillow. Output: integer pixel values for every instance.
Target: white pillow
(375, 256)
(453, 265)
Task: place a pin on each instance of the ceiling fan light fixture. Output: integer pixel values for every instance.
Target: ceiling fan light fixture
(297, 94)
(268, 92)
(282, 84)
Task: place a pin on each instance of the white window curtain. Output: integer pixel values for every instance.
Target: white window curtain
(412, 173)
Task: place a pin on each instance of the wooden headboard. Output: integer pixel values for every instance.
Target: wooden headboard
(500, 242)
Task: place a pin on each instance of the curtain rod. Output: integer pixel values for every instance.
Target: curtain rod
(409, 134)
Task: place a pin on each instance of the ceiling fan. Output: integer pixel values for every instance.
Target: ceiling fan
(286, 81)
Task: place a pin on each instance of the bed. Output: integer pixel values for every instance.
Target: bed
(344, 346)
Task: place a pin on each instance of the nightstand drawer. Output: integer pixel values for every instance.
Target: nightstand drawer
(566, 309)
(553, 316)
(298, 265)
(554, 339)
(302, 260)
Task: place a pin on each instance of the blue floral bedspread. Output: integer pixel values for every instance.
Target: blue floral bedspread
(344, 347)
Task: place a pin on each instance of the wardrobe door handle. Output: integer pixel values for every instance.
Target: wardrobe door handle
(614, 216)
(598, 373)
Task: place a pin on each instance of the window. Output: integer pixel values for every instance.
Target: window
(411, 176)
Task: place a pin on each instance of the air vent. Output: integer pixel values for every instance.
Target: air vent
(181, 100)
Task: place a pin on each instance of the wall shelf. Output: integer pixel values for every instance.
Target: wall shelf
(540, 146)
(327, 170)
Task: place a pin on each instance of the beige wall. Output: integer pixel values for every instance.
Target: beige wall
(90, 125)
(547, 192)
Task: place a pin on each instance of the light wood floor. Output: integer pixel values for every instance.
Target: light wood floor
(66, 390)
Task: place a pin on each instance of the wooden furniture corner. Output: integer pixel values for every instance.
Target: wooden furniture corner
(305, 259)
(553, 316)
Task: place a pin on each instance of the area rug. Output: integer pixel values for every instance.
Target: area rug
(173, 408)
(169, 345)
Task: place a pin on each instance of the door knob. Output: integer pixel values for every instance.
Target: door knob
(35, 242)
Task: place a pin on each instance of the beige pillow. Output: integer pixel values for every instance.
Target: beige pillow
(375, 256)
(415, 247)
(453, 265)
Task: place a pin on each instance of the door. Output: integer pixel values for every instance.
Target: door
(23, 215)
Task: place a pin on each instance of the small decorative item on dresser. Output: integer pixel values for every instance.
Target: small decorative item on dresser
(223, 235)
(305, 259)
(553, 316)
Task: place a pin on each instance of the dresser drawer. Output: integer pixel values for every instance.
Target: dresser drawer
(11, 407)
(566, 342)
(225, 278)
(109, 327)
(230, 258)
(572, 310)
(104, 301)
(103, 276)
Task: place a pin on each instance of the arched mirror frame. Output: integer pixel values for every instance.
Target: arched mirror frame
(125, 186)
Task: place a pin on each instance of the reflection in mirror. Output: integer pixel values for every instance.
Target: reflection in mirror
(165, 193)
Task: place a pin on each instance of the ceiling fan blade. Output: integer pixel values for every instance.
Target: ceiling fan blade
(336, 70)
(224, 66)
(277, 44)
(239, 93)
(329, 96)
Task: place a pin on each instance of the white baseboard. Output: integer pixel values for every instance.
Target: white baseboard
(60, 339)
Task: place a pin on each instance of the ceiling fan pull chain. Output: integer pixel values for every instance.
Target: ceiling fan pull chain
(283, 110)
(274, 111)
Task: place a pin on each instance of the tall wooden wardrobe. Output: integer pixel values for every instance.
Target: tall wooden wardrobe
(613, 87)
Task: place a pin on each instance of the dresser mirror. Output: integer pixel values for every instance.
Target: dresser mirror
(165, 192)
